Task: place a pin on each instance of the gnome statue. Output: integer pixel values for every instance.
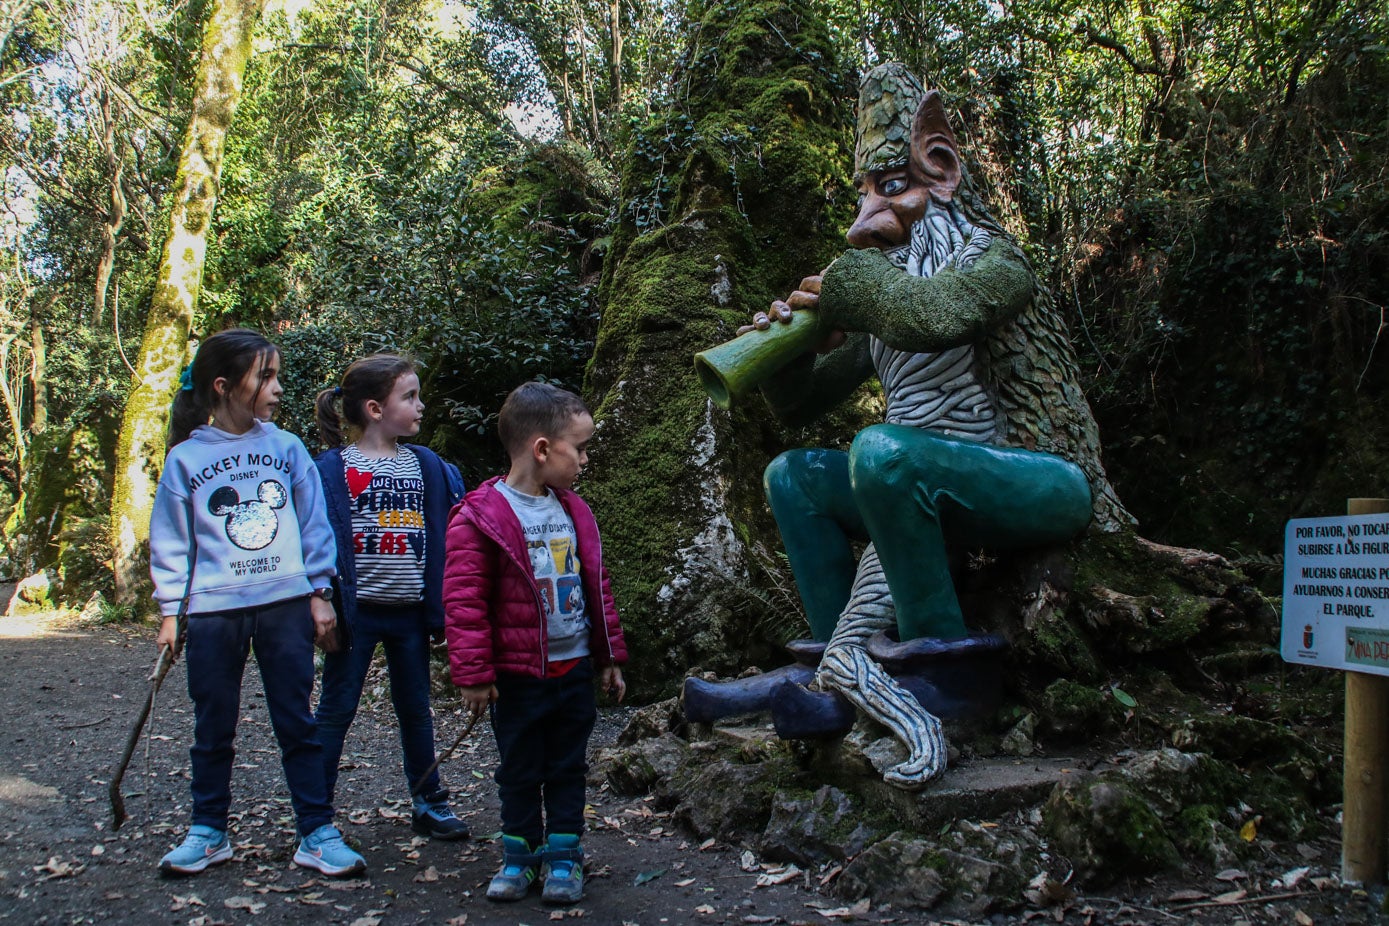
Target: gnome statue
(938, 302)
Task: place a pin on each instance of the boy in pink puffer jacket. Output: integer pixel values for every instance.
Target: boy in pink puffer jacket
(530, 620)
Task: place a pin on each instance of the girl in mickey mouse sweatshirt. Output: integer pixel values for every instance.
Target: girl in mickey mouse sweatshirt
(239, 531)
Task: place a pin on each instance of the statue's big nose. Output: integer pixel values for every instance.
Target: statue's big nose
(876, 226)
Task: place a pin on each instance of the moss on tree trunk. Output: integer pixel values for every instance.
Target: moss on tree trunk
(731, 196)
(163, 350)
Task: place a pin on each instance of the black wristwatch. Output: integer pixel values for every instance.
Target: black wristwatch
(325, 593)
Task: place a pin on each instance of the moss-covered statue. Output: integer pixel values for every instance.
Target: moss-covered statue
(941, 304)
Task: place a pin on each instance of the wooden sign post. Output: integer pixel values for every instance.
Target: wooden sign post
(1364, 828)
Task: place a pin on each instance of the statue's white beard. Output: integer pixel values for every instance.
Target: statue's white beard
(943, 237)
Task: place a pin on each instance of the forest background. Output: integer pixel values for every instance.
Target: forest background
(1201, 184)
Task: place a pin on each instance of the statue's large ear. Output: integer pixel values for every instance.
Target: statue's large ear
(935, 157)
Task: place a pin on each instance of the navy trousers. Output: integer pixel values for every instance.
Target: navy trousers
(542, 727)
(217, 645)
(402, 633)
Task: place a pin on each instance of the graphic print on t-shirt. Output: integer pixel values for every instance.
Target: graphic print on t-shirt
(387, 524)
(252, 524)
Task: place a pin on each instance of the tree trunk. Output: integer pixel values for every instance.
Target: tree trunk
(140, 453)
(38, 380)
(746, 171)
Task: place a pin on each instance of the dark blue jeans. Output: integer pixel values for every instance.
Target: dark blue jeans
(542, 727)
(402, 632)
(217, 645)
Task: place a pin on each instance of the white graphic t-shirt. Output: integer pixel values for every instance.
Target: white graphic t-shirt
(387, 524)
(554, 554)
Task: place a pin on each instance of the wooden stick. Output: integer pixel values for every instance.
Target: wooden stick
(1364, 828)
(419, 785)
(161, 669)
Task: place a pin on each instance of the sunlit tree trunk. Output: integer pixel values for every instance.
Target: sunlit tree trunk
(140, 451)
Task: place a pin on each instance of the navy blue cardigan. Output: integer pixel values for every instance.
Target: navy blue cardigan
(443, 488)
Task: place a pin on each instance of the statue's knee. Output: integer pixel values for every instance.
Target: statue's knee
(784, 476)
(878, 460)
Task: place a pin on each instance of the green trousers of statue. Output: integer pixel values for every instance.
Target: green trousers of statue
(913, 493)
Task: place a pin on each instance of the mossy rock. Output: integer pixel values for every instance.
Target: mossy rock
(1107, 830)
(1070, 709)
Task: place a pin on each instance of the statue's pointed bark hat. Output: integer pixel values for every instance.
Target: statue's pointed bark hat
(888, 98)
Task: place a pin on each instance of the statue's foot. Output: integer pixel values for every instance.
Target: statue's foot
(920, 656)
(807, 652)
(706, 702)
(799, 713)
(915, 774)
(955, 679)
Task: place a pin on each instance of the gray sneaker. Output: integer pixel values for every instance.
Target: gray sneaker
(562, 869)
(203, 846)
(517, 874)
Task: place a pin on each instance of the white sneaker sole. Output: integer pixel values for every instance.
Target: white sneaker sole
(309, 860)
(223, 854)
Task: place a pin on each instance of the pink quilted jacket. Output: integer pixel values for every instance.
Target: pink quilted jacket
(492, 612)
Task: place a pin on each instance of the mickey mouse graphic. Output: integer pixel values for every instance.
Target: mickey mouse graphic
(251, 525)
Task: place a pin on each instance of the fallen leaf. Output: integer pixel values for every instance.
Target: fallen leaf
(844, 913)
(1231, 897)
(747, 861)
(183, 903)
(646, 876)
(1186, 896)
(367, 921)
(98, 850)
(1249, 830)
(834, 872)
(244, 903)
(1231, 874)
(754, 918)
(706, 845)
(459, 920)
(789, 873)
(1292, 878)
(57, 868)
(704, 908)
(686, 883)
(1302, 918)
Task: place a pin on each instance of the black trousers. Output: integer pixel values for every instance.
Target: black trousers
(542, 727)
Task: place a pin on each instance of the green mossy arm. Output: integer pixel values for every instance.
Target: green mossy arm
(812, 384)
(862, 291)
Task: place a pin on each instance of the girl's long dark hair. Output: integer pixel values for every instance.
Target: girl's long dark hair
(229, 354)
(369, 379)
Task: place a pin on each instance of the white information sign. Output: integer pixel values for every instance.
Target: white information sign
(1336, 593)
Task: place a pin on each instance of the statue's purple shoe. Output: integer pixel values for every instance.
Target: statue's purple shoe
(954, 679)
(706, 702)
(799, 713)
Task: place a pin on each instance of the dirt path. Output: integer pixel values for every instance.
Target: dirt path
(71, 693)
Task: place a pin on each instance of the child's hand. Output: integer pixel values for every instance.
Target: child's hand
(611, 681)
(325, 619)
(478, 697)
(168, 636)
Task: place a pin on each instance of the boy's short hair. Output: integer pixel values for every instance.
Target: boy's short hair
(536, 408)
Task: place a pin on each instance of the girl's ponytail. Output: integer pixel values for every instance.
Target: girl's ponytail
(326, 414)
(185, 414)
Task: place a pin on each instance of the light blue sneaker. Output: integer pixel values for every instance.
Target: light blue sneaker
(203, 846)
(324, 850)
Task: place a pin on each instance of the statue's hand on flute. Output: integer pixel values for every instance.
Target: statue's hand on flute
(806, 297)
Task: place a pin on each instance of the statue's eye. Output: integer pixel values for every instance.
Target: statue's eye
(893, 186)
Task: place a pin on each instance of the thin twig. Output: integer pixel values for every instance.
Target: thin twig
(1262, 898)
(79, 726)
